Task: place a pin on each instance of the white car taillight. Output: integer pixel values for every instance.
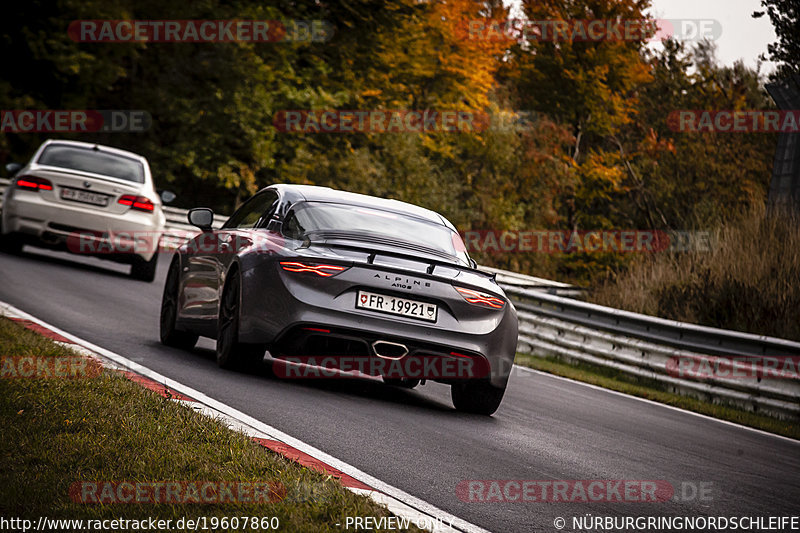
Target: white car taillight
(141, 203)
(33, 183)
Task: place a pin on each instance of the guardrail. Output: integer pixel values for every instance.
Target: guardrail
(637, 345)
(516, 280)
(713, 364)
(692, 337)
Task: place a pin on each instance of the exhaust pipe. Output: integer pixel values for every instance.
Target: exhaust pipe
(389, 350)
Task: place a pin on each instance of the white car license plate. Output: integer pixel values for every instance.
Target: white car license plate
(85, 197)
(396, 306)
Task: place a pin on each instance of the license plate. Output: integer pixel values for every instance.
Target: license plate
(396, 306)
(85, 197)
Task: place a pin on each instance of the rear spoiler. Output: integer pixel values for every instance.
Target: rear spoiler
(431, 262)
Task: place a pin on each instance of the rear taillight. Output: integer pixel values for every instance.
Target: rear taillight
(480, 298)
(33, 183)
(325, 271)
(136, 202)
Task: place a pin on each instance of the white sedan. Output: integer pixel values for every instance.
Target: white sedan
(86, 198)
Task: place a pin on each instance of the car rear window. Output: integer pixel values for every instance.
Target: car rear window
(322, 217)
(94, 161)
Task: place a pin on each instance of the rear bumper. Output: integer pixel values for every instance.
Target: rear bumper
(275, 315)
(116, 237)
(373, 353)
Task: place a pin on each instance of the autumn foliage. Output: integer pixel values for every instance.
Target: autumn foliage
(579, 139)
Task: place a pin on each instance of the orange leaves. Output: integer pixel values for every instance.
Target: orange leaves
(428, 62)
(470, 61)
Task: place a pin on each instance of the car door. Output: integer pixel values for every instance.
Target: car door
(237, 234)
(211, 253)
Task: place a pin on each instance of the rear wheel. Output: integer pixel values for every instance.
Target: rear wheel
(230, 352)
(144, 270)
(478, 397)
(169, 313)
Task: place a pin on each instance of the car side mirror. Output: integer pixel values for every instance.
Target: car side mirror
(13, 168)
(167, 196)
(202, 217)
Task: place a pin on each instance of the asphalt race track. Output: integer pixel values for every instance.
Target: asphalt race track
(546, 429)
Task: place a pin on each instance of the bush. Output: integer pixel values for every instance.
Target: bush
(748, 281)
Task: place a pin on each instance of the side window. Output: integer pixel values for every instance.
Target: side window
(252, 211)
(292, 227)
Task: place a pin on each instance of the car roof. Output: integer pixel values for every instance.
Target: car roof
(91, 146)
(312, 193)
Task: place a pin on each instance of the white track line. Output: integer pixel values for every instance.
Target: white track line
(652, 402)
(397, 501)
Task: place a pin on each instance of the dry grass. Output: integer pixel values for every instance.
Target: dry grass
(748, 281)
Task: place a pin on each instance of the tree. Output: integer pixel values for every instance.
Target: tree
(785, 17)
(591, 87)
(702, 178)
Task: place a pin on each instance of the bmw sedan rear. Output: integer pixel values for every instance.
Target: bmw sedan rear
(86, 198)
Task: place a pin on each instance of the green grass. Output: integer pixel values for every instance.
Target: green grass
(60, 431)
(653, 390)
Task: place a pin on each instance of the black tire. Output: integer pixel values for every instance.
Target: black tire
(11, 244)
(169, 313)
(232, 354)
(144, 270)
(403, 383)
(478, 397)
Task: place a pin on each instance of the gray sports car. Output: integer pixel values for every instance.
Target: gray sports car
(334, 283)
